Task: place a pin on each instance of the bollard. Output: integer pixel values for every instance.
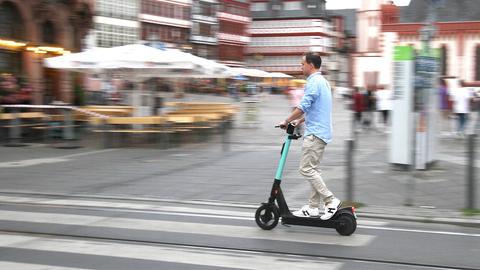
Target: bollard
(107, 137)
(165, 136)
(411, 179)
(67, 125)
(471, 171)
(350, 174)
(67, 131)
(226, 135)
(353, 124)
(15, 130)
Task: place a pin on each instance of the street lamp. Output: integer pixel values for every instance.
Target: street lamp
(428, 31)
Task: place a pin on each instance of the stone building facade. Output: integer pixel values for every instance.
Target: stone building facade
(33, 29)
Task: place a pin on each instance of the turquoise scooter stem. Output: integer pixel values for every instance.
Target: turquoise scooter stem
(283, 159)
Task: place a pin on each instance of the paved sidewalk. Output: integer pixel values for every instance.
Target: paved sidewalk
(243, 174)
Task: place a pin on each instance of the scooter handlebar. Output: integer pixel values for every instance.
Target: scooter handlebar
(290, 129)
(287, 126)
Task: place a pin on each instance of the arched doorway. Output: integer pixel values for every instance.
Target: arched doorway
(51, 76)
(11, 28)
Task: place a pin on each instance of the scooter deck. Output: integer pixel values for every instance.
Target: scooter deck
(290, 219)
(308, 221)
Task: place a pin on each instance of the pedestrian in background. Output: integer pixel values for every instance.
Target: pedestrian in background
(358, 106)
(233, 90)
(476, 102)
(369, 99)
(384, 105)
(295, 95)
(462, 98)
(445, 101)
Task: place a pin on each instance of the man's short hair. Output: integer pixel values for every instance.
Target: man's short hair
(314, 59)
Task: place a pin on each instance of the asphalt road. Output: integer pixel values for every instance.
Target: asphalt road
(78, 232)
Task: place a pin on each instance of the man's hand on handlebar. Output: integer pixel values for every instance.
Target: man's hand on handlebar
(282, 125)
(296, 122)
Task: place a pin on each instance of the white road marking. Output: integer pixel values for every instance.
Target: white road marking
(456, 159)
(420, 231)
(38, 161)
(32, 266)
(31, 162)
(196, 256)
(152, 208)
(195, 212)
(245, 232)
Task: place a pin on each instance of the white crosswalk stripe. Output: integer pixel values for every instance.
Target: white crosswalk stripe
(150, 207)
(132, 250)
(248, 232)
(207, 257)
(31, 266)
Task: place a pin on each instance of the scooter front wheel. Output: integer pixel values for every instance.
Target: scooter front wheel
(267, 216)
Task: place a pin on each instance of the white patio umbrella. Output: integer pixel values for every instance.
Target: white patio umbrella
(207, 68)
(131, 60)
(279, 75)
(139, 62)
(250, 72)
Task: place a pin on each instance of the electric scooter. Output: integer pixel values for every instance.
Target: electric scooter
(268, 214)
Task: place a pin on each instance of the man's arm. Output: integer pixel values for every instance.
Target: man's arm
(298, 121)
(297, 113)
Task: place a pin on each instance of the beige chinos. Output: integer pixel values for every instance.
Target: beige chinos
(312, 154)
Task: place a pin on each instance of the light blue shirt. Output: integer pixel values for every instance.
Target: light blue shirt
(317, 107)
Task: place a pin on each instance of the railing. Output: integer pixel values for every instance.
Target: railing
(15, 117)
(197, 118)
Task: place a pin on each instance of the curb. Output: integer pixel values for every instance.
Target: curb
(475, 223)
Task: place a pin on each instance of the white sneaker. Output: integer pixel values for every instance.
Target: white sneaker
(331, 208)
(306, 211)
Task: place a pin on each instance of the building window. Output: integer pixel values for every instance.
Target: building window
(195, 28)
(444, 55)
(116, 35)
(477, 63)
(232, 28)
(258, 7)
(126, 9)
(178, 12)
(292, 5)
(206, 9)
(164, 33)
(206, 30)
(235, 10)
(11, 25)
(10, 62)
(231, 53)
(166, 10)
(48, 32)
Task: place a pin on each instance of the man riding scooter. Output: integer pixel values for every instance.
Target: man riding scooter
(315, 109)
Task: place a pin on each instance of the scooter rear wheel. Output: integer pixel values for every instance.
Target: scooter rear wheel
(267, 216)
(346, 224)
